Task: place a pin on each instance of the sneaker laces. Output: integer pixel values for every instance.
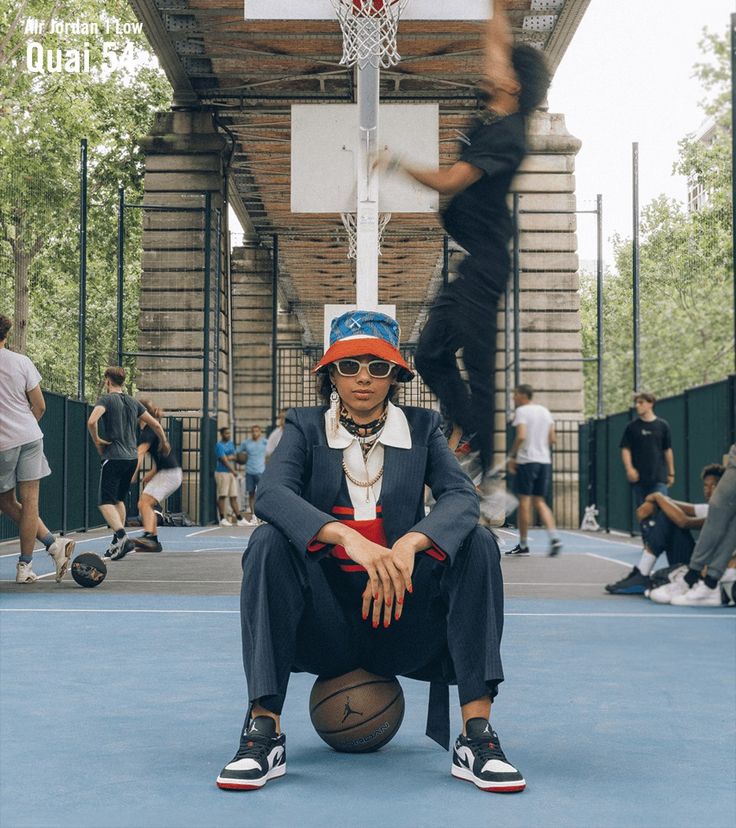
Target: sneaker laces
(254, 747)
(487, 750)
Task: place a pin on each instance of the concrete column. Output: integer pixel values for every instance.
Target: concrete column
(185, 158)
(550, 329)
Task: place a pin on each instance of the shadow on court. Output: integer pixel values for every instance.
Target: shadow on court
(120, 704)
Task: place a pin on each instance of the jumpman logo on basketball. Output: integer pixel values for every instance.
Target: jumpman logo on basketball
(349, 710)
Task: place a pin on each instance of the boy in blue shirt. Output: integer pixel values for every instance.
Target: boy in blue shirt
(226, 479)
(252, 452)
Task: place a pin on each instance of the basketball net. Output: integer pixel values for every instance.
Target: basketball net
(350, 221)
(369, 29)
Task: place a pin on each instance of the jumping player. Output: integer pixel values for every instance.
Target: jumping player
(349, 572)
(477, 218)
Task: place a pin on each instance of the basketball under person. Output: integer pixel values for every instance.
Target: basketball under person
(349, 572)
(477, 218)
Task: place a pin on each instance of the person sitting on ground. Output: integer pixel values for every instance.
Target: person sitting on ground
(159, 482)
(347, 538)
(716, 546)
(666, 527)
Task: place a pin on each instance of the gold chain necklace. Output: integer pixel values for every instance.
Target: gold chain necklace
(364, 484)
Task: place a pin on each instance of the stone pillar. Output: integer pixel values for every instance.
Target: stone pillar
(550, 328)
(184, 161)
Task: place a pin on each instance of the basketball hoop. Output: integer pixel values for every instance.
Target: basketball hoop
(350, 222)
(369, 29)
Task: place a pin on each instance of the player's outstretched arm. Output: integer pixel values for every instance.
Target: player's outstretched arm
(498, 46)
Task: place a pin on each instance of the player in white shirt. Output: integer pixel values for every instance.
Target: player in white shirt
(531, 462)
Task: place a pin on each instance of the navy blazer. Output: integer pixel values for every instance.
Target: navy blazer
(303, 478)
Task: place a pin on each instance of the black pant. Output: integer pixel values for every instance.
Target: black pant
(301, 615)
(464, 316)
(662, 535)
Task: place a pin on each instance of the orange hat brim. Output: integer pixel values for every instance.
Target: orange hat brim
(359, 345)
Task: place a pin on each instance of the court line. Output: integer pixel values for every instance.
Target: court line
(632, 544)
(656, 616)
(202, 531)
(604, 558)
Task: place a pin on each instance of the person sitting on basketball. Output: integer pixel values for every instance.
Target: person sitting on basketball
(350, 572)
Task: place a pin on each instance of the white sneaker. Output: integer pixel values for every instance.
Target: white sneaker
(699, 595)
(225, 522)
(61, 551)
(665, 593)
(24, 573)
(244, 522)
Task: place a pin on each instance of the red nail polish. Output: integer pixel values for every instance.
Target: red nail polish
(375, 597)
(399, 600)
(375, 625)
(365, 616)
(386, 623)
(410, 588)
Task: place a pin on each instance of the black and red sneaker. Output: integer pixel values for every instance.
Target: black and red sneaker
(478, 758)
(260, 757)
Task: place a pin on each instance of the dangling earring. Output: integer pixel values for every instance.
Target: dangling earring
(334, 411)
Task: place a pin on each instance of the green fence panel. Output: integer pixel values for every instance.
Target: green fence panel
(76, 437)
(675, 411)
(585, 470)
(208, 499)
(711, 430)
(175, 429)
(620, 515)
(94, 468)
(51, 496)
(600, 466)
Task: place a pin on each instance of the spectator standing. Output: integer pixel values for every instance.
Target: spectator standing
(226, 479)
(253, 453)
(22, 460)
(531, 462)
(646, 451)
(274, 438)
(120, 415)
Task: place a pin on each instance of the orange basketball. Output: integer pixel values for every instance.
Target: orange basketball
(358, 712)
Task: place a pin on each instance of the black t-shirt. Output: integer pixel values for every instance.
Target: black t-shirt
(119, 425)
(478, 218)
(647, 443)
(162, 461)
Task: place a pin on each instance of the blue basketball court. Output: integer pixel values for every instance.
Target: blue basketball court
(121, 704)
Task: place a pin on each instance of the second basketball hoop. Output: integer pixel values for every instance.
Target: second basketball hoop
(369, 30)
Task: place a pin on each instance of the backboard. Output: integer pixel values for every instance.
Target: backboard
(324, 146)
(323, 10)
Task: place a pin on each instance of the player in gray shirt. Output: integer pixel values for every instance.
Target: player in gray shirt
(119, 415)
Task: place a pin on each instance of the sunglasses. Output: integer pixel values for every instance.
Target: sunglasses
(377, 368)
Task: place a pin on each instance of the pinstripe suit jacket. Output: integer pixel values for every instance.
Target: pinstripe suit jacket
(303, 478)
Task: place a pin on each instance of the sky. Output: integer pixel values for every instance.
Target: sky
(627, 76)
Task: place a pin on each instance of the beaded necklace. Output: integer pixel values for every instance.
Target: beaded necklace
(366, 434)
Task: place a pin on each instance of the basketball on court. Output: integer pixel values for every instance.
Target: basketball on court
(357, 712)
(88, 569)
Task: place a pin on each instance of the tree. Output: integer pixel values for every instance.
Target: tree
(43, 116)
(686, 271)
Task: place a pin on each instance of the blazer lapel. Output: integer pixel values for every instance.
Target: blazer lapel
(403, 477)
(326, 477)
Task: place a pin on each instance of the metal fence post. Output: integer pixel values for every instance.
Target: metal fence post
(218, 313)
(599, 303)
(204, 457)
(82, 268)
(517, 292)
(635, 267)
(274, 326)
(121, 270)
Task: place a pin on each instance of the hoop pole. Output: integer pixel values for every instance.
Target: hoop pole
(366, 282)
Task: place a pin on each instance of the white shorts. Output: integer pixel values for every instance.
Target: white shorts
(163, 484)
(22, 463)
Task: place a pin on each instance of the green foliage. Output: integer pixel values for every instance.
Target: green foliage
(686, 272)
(43, 117)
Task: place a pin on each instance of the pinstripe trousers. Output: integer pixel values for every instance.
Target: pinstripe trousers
(304, 615)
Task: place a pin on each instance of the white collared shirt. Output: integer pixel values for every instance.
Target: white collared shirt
(395, 433)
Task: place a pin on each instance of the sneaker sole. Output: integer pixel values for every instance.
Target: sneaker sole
(68, 551)
(515, 554)
(490, 787)
(123, 551)
(252, 784)
(628, 591)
